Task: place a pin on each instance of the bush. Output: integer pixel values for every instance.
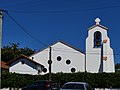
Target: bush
(96, 80)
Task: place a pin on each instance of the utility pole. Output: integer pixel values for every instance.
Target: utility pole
(85, 63)
(101, 63)
(1, 16)
(50, 62)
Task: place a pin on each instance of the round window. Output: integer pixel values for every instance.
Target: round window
(59, 58)
(68, 61)
(44, 70)
(73, 70)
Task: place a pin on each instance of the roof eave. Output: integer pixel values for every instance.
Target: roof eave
(54, 44)
(25, 57)
(99, 25)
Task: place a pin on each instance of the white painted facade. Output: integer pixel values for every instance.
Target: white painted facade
(27, 67)
(66, 52)
(99, 59)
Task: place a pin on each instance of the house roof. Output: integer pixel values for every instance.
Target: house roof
(62, 43)
(70, 46)
(98, 25)
(25, 57)
(4, 65)
(97, 21)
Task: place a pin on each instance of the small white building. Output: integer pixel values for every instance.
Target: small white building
(65, 58)
(25, 65)
(99, 54)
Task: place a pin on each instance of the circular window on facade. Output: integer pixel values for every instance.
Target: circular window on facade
(59, 58)
(73, 70)
(68, 61)
(44, 70)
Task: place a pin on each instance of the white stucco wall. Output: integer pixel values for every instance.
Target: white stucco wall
(93, 55)
(65, 52)
(26, 68)
(108, 65)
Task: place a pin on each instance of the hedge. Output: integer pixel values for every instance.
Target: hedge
(95, 80)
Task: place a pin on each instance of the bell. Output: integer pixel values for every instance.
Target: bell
(98, 43)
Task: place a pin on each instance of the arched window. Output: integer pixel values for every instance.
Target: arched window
(97, 39)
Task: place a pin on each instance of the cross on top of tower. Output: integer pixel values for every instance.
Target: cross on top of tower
(97, 20)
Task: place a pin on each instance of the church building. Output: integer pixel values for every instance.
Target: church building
(61, 57)
(98, 58)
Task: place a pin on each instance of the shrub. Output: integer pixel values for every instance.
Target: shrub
(96, 80)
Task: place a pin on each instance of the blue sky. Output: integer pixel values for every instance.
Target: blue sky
(49, 21)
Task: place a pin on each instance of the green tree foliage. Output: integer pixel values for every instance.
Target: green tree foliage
(95, 80)
(13, 50)
(117, 67)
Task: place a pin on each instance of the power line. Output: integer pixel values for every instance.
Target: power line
(23, 29)
(36, 3)
(22, 4)
(77, 52)
(65, 11)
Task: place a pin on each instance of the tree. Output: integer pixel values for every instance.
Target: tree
(117, 67)
(13, 50)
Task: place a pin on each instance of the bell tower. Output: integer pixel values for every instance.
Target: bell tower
(99, 54)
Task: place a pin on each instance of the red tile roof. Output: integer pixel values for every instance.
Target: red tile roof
(25, 57)
(4, 65)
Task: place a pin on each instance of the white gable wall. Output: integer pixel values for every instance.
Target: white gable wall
(41, 57)
(18, 67)
(65, 52)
